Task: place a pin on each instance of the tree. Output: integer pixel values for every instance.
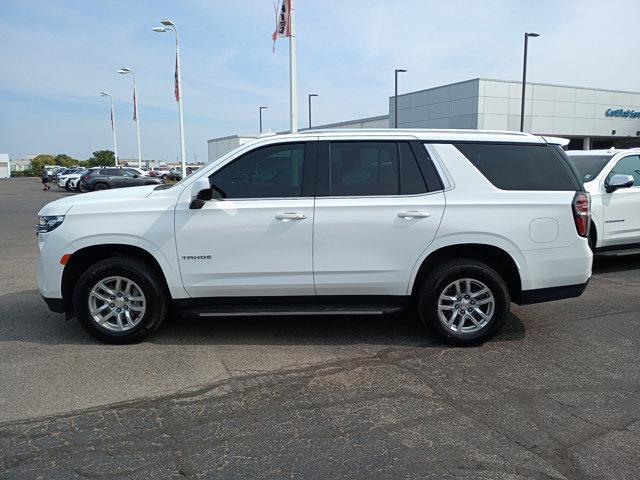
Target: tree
(101, 157)
(64, 160)
(39, 161)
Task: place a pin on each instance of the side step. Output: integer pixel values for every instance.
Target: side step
(290, 309)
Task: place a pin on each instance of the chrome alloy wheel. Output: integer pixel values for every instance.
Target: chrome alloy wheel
(117, 304)
(466, 306)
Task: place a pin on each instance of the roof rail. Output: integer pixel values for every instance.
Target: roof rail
(410, 130)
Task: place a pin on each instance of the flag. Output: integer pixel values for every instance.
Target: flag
(112, 127)
(283, 21)
(177, 86)
(135, 108)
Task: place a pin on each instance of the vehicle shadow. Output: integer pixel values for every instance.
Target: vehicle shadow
(616, 262)
(25, 318)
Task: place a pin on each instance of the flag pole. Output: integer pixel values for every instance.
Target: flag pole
(137, 111)
(293, 94)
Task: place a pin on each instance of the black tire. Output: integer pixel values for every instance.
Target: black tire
(436, 284)
(67, 186)
(101, 186)
(145, 276)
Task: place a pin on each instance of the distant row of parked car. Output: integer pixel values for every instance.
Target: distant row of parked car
(103, 178)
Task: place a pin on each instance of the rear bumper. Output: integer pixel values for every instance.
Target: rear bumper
(54, 304)
(540, 295)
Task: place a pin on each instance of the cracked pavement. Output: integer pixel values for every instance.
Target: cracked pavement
(555, 395)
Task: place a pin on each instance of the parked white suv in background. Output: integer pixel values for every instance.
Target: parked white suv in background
(457, 223)
(612, 177)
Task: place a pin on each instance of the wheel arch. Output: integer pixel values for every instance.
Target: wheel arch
(495, 257)
(83, 258)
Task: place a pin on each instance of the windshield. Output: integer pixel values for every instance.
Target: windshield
(589, 166)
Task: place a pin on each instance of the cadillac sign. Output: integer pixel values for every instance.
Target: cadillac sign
(621, 112)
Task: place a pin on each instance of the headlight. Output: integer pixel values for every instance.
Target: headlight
(48, 223)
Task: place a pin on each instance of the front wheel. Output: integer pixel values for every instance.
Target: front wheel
(120, 300)
(101, 186)
(463, 302)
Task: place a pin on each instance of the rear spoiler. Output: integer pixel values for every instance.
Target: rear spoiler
(563, 142)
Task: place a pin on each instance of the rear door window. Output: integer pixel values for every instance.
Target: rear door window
(363, 169)
(518, 166)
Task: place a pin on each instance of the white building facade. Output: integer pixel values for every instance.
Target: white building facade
(589, 117)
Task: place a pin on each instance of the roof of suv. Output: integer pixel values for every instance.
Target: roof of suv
(610, 151)
(427, 134)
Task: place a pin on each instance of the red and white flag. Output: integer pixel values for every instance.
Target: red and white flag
(177, 85)
(283, 21)
(135, 107)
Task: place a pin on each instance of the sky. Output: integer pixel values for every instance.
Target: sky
(56, 55)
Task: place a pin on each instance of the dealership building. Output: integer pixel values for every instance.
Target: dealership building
(589, 117)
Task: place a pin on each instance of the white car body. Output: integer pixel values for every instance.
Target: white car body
(322, 246)
(63, 179)
(615, 215)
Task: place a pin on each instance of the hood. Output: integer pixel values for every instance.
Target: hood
(63, 205)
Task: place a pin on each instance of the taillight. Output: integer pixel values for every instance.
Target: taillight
(582, 212)
(86, 177)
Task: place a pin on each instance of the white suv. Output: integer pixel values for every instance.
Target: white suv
(612, 177)
(457, 223)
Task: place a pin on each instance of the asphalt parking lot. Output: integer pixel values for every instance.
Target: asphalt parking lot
(555, 395)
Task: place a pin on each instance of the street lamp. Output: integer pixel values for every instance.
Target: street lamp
(395, 97)
(136, 113)
(311, 95)
(168, 25)
(113, 125)
(524, 76)
(260, 114)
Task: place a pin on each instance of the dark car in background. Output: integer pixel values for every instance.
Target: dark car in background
(113, 177)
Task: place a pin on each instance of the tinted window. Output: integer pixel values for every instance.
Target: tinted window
(589, 166)
(518, 167)
(411, 179)
(270, 172)
(112, 172)
(363, 168)
(628, 166)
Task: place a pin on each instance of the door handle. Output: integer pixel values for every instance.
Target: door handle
(413, 214)
(291, 216)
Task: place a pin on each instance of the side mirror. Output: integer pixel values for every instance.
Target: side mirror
(618, 181)
(203, 193)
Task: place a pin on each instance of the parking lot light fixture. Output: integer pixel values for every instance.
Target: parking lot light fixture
(113, 125)
(168, 25)
(524, 75)
(395, 96)
(136, 111)
(260, 115)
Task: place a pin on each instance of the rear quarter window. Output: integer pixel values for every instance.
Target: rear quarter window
(518, 166)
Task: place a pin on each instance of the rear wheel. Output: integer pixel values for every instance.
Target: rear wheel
(120, 300)
(101, 186)
(67, 185)
(463, 302)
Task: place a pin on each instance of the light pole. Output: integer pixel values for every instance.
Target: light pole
(524, 76)
(260, 114)
(311, 95)
(136, 113)
(113, 125)
(169, 26)
(395, 97)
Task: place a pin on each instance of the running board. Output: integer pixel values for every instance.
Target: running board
(295, 309)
